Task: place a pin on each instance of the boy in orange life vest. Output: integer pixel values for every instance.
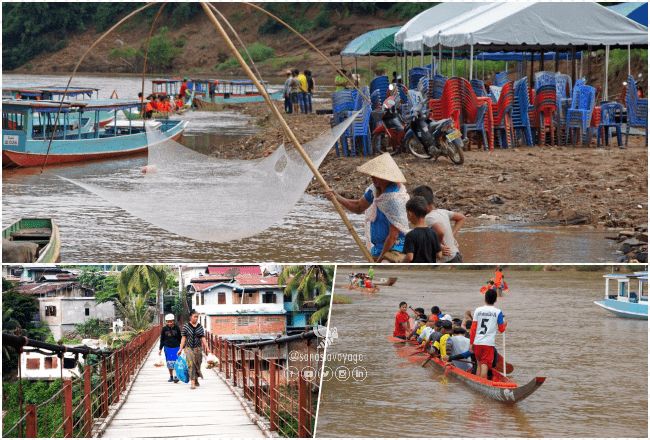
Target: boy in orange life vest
(402, 328)
(498, 280)
(179, 102)
(148, 108)
(485, 323)
(164, 105)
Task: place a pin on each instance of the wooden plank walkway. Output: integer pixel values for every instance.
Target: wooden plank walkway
(157, 408)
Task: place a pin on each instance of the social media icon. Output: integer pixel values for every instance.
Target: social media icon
(309, 373)
(359, 374)
(327, 374)
(293, 372)
(342, 373)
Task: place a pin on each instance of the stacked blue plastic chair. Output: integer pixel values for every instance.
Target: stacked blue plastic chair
(579, 115)
(479, 87)
(563, 98)
(342, 103)
(360, 131)
(637, 110)
(521, 109)
(415, 74)
(424, 86)
(380, 83)
(544, 79)
(478, 125)
(438, 86)
(611, 114)
(501, 78)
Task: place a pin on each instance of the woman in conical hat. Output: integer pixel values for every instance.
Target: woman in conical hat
(384, 203)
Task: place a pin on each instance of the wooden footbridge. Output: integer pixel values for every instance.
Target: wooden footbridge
(123, 394)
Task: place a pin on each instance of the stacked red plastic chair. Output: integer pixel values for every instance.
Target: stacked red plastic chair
(502, 115)
(450, 103)
(545, 108)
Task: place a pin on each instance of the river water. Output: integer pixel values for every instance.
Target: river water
(92, 230)
(596, 364)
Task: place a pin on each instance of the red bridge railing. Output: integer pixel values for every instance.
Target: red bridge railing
(286, 397)
(86, 400)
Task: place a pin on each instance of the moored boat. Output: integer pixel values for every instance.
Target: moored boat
(220, 91)
(385, 281)
(25, 142)
(625, 302)
(499, 388)
(31, 240)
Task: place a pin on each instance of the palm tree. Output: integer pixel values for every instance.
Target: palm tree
(143, 279)
(310, 282)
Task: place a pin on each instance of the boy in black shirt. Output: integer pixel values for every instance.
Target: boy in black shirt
(421, 244)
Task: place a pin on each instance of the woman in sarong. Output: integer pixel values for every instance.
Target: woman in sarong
(193, 340)
(384, 203)
(170, 340)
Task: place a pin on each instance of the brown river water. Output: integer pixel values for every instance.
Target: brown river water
(92, 230)
(596, 364)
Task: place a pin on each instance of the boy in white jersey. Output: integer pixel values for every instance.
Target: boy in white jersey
(486, 321)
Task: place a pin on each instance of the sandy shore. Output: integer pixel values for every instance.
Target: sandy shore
(604, 187)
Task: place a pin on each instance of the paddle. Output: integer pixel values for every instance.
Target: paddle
(504, 355)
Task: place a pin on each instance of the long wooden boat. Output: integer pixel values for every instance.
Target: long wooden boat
(500, 388)
(385, 281)
(628, 301)
(25, 141)
(220, 91)
(40, 231)
(371, 290)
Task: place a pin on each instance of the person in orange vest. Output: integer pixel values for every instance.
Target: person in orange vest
(183, 90)
(179, 102)
(164, 106)
(489, 285)
(148, 108)
(498, 280)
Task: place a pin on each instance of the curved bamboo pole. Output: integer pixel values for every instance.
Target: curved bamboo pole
(146, 53)
(76, 67)
(309, 43)
(286, 129)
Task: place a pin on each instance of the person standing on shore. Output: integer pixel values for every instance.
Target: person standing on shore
(310, 90)
(170, 340)
(302, 94)
(193, 340)
(341, 81)
(295, 91)
(384, 204)
(288, 107)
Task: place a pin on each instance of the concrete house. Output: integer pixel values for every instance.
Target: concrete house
(244, 307)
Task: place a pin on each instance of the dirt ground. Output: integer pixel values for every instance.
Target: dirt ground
(604, 187)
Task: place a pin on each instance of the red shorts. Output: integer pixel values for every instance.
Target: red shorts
(484, 354)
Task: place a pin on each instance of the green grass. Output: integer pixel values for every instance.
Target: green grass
(278, 63)
(618, 58)
(258, 51)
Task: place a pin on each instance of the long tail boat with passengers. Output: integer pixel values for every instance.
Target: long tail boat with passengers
(236, 91)
(499, 388)
(27, 127)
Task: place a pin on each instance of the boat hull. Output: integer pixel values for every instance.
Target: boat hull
(623, 309)
(244, 99)
(68, 151)
(386, 281)
(500, 389)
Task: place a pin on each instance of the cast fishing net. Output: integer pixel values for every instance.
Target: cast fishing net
(211, 199)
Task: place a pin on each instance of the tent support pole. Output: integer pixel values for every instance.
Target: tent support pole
(541, 60)
(370, 65)
(356, 65)
(453, 62)
(471, 62)
(588, 63)
(433, 63)
(629, 60)
(532, 68)
(439, 56)
(605, 90)
(422, 56)
(582, 54)
(573, 65)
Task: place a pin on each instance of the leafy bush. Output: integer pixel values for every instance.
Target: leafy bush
(258, 51)
(92, 328)
(162, 50)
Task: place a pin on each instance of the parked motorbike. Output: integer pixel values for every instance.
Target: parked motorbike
(430, 139)
(388, 136)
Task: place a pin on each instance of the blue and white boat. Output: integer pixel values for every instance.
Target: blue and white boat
(27, 128)
(630, 299)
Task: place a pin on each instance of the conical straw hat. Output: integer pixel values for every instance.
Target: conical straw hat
(383, 167)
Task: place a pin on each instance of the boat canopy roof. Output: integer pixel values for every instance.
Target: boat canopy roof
(621, 276)
(45, 106)
(54, 90)
(166, 80)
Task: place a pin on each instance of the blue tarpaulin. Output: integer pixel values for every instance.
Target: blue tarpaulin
(521, 56)
(637, 11)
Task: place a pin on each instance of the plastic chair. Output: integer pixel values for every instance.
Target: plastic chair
(415, 74)
(563, 98)
(502, 116)
(479, 87)
(637, 110)
(545, 108)
(438, 86)
(501, 78)
(579, 115)
(380, 84)
(544, 79)
(342, 104)
(478, 125)
(608, 117)
(520, 111)
(360, 130)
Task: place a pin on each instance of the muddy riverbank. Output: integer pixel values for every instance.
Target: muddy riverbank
(601, 188)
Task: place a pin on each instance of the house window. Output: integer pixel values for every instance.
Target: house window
(50, 310)
(33, 364)
(221, 297)
(243, 321)
(87, 311)
(50, 362)
(268, 298)
(202, 298)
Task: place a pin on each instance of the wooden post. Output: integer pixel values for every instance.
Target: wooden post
(233, 352)
(226, 347)
(31, 424)
(257, 383)
(116, 376)
(104, 389)
(557, 60)
(573, 65)
(88, 414)
(244, 382)
(541, 60)
(303, 411)
(67, 408)
(219, 355)
(273, 400)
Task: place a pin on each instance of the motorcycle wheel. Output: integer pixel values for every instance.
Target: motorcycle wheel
(455, 151)
(380, 143)
(417, 149)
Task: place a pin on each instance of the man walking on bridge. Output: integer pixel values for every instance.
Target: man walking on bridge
(170, 339)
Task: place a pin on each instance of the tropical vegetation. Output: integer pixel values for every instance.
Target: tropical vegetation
(310, 283)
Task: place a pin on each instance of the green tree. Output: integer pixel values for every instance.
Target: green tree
(92, 328)
(162, 50)
(308, 281)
